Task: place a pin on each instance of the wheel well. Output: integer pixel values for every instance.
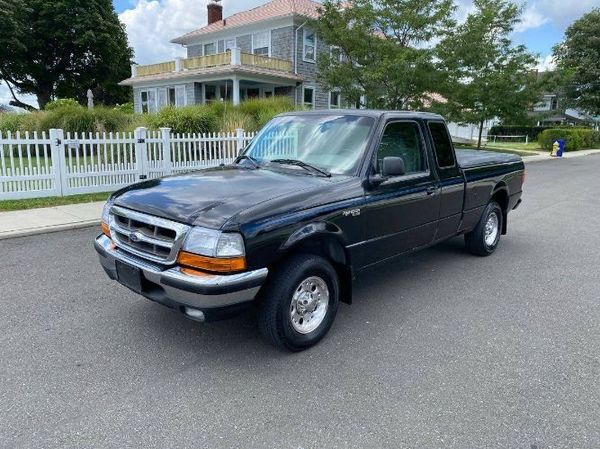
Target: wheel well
(331, 249)
(501, 197)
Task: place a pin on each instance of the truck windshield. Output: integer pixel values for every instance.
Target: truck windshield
(333, 143)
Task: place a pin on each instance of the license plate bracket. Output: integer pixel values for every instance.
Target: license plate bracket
(129, 276)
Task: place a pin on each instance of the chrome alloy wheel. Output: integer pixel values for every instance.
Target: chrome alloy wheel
(309, 305)
(492, 230)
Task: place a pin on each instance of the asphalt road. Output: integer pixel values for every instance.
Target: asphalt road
(440, 349)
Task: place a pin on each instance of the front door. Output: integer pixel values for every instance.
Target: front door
(402, 212)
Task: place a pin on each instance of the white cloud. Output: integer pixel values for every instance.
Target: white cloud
(530, 19)
(563, 12)
(546, 63)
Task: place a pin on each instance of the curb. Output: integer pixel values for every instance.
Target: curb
(573, 154)
(48, 229)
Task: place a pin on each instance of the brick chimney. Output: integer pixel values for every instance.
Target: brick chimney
(215, 11)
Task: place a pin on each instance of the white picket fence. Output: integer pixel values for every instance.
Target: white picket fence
(59, 164)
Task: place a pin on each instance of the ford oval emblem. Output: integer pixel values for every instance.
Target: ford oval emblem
(134, 237)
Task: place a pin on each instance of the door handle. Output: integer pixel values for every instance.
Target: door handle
(431, 190)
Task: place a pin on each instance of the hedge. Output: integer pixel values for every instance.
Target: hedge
(216, 117)
(532, 132)
(576, 138)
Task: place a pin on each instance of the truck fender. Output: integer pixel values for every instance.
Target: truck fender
(324, 239)
(500, 195)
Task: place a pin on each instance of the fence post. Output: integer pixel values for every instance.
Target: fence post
(239, 141)
(141, 152)
(57, 151)
(166, 150)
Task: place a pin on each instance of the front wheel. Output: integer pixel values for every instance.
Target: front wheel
(483, 240)
(299, 303)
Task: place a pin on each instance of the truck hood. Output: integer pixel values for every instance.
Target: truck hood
(212, 196)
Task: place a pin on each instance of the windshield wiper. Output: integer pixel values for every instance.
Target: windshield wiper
(302, 164)
(240, 158)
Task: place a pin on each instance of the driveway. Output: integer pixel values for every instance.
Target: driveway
(439, 350)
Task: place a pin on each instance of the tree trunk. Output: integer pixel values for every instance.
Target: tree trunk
(480, 133)
(43, 99)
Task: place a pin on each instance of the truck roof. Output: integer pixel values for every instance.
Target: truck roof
(370, 113)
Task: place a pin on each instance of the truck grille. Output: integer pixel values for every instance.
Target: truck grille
(146, 236)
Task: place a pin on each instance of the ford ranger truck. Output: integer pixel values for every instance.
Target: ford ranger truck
(313, 201)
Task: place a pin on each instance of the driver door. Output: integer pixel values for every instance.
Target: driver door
(402, 212)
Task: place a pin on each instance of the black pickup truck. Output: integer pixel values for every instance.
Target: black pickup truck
(315, 199)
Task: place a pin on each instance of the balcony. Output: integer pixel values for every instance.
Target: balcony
(234, 58)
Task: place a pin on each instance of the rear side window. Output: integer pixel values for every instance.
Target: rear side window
(442, 144)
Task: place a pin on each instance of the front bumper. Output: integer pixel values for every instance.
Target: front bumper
(216, 296)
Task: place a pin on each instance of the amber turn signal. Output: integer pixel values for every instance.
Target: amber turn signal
(214, 264)
(105, 230)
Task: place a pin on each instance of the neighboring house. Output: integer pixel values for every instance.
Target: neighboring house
(266, 51)
(549, 111)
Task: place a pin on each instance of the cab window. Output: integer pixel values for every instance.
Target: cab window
(403, 139)
(442, 145)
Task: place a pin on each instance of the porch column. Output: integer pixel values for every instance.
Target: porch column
(236, 91)
(203, 91)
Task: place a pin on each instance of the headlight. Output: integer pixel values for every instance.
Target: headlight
(211, 250)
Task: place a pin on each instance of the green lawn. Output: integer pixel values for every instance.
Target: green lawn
(33, 203)
(519, 148)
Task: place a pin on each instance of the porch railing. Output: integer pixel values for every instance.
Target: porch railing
(234, 57)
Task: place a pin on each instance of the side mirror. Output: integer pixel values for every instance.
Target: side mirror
(393, 166)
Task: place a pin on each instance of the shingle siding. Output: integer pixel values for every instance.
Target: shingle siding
(282, 43)
(308, 70)
(244, 43)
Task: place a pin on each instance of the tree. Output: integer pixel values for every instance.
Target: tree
(578, 58)
(382, 49)
(487, 77)
(61, 48)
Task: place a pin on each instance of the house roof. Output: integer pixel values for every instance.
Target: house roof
(271, 10)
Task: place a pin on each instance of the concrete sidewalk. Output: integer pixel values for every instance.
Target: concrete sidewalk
(60, 218)
(50, 219)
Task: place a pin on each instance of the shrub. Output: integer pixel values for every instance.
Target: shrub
(111, 120)
(11, 121)
(189, 119)
(233, 119)
(61, 103)
(127, 108)
(263, 110)
(532, 132)
(576, 138)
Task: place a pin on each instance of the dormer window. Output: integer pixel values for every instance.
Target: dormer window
(261, 43)
(310, 46)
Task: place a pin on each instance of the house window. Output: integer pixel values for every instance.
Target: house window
(179, 96)
(334, 100)
(261, 43)
(309, 97)
(229, 44)
(172, 98)
(310, 46)
(210, 93)
(148, 101)
(335, 53)
(210, 49)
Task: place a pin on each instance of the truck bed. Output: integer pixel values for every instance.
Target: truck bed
(478, 158)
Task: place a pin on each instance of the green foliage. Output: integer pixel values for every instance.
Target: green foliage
(517, 130)
(578, 59)
(127, 108)
(189, 119)
(52, 48)
(385, 49)
(263, 110)
(488, 76)
(250, 116)
(61, 103)
(576, 138)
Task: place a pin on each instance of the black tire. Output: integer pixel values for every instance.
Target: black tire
(476, 239)
(275, 306)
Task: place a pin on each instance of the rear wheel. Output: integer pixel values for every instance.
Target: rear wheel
(484, 239)
(299, 303)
